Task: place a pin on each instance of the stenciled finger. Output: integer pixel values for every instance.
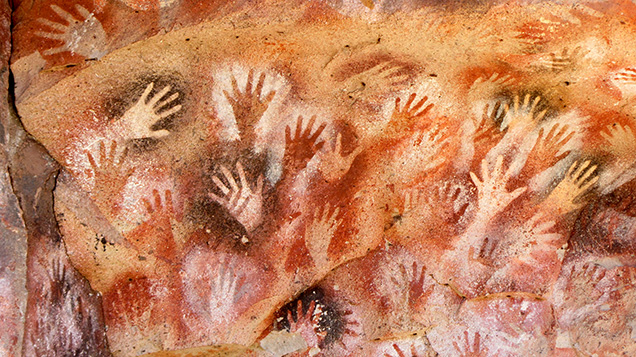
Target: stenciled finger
(325, 212)
(250, 79)
(407, 200)
(507, 79)
(566, 139)
(259, 86)
(259, 185)
(229, 97)
(454, 194)
(358, 149)
(240, 202)
(484, 118)
(407, 106)
(598, 274)
(157, 197)
(485, 174)
(144, 96)
(571, 169)
(516, 193)
(232, 286)
(440, 134)
(422, 275)
(540, 115)
(157, 134)
(338, 145)
(391, 72)
(122, 157)
(51, 35)
(563, 154)
(540, 139)
(63, 14)
(316, 216)
(299, 127)
(299, 310)
(534, 104)
(435, 163)
(526, 102)
(170, 111)
(397, 79)
(552, 133)
(589, 184)
(628, 131)
(91, 160)
(220, 185)
(290, 320)
(580, 169)
(147, 205)
(535, 220)
(507, 110)
(269, 97)
(318, 146)
(82, 10)
(230, 178)
(232, 206)
(112, 153)
(102, 153)
(169, 204)
(54, 25)
(55, 50)
(478, 81)
(426, 109)
(586, 174)
(558, 131)
(619, 132)
(475, 180)
(380, 68)
(235, 87)
(495, 111)
(516, 105)
(335, 214)
(608, 137)
(288, 138)
(310, 126)
(498, 169)
(459, 350)
(441, 144)
(397, 105)
(220, 275)
(241, 173)
(220, 200)
(158, 96)
(319, 131)
(170, 99)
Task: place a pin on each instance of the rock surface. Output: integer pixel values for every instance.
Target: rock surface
(13, 242)
(354, 177)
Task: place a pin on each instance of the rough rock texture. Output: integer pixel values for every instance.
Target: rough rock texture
(12, 234)
(354, 177)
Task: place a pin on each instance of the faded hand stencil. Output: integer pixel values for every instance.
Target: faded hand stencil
(361, 178)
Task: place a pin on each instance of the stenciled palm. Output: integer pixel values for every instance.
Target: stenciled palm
(243, 202)
(492, 195)
(83, 36)
(249, 105)
(333, 163)
(301, 147)
(137, 122)
(578, 179)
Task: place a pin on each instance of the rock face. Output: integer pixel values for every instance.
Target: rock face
(13, 241)
(335, 178)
